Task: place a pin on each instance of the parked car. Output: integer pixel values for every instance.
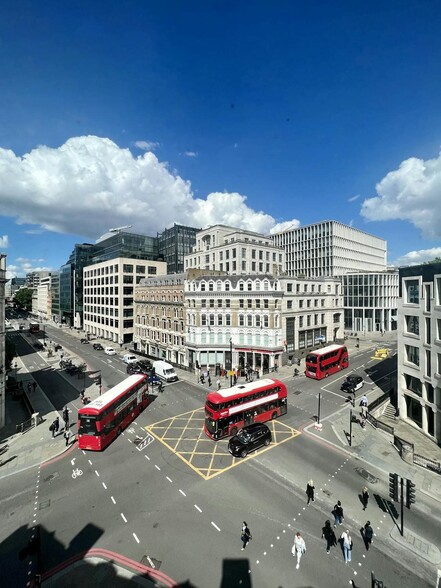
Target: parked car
(249, 439)
(98, 346)
(84, 340)
(109, 351)
(352, 383)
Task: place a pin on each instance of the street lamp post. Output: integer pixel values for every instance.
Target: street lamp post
(231, 362)
(318, 410)
(350, 428)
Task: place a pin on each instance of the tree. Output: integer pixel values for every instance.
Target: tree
(23, 298)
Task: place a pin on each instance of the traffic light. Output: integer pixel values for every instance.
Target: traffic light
(410, 493)
(393, 487)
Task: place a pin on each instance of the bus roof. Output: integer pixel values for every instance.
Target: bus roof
(111, 395)
(324, 350)
(241, 389)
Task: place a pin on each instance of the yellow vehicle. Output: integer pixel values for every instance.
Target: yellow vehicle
(381, 353)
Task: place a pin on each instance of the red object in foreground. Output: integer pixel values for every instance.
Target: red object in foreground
(325, 361)
(226, 411)
(103, 419)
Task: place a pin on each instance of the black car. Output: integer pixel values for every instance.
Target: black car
(352, 384)
(98, 346)
(84, 340)
(143, 366)
(248, 439)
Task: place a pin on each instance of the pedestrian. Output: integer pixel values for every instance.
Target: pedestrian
(299, 548)
(34, 386)
(368, 534)
(338, 514)
(52, 430)
(329, 535)
(218, 384)
(65, 415)
(202, 380)
(245, 535)
(234, 380)
(209, 380)
(365, 497)
(346, 540)
(310, 491)
(57, 424)
(364, 405)
(67, 435)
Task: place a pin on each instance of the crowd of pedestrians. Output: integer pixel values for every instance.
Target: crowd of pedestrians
(345, 540)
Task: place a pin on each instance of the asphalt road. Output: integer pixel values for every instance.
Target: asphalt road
(150, 505)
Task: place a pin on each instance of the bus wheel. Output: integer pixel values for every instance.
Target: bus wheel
(326, 375)
(243, 453)
(234, 431)
(274, 415)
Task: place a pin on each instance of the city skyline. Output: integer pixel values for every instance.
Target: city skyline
(257, 119)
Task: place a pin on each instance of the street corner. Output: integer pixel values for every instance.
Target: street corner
(417, 545)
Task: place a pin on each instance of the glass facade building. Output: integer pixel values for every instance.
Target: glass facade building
(174, 243)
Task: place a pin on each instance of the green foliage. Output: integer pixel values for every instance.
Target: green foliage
(23, 298)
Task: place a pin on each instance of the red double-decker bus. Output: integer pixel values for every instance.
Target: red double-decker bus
(103, 419)
(226, 411)
(325, 361)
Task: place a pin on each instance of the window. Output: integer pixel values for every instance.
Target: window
(227, 286)
(219, 303)
(413, 384)
(300, 322)
(219, 320)
(428, 336)
(300, 303)
(438, 329)
(289, 304)
(413, 354)
(203, 303)
(241, 320)
(241, 303)
(412, 291)
(241, 286)
(202, 286)
(266, 303)
(257, 303)
(258, 323)
(211, 286)
(265, 320)
(249, 320)
(249, 303)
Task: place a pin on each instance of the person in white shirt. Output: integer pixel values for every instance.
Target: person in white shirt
(298, 548)
(347, 545)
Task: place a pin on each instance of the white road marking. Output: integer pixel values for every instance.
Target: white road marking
(182, 492)
(123, 517)
(170, 480)
(215, 526)
(197, 508)
(104, 486)
(90, 463)
(157, 467)
(136, 538)
(97, 473)
(113, 500)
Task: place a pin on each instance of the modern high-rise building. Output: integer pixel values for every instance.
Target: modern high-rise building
(419, 348)
(370, 301)
(33, 278)
(174, 243)
(330, 249)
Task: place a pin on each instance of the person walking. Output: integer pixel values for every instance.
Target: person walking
(338, 514)
(65, 416)
(209, 380)
(57, 424)
(329, 535)
(310, 491)
(218, 384)
(368, 534)
(346, 540)
(67, 435)
(299, 548)
(364, 405)
(52, 430)
(245, 535)
(365, 497)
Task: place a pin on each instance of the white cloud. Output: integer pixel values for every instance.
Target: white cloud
(89, 184)
(354, 198)
(412, 193)
(417, 257)
(190, 154)
(146, 145)
(4, 242)
(11, 271)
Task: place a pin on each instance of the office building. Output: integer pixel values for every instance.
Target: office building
(330, 249)
(173, 244)
(370, 301)
(235, 252)
(33, 278)
(109, 292)
(419, 348)
(312, 313)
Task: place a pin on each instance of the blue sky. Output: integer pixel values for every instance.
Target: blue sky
(252, 114)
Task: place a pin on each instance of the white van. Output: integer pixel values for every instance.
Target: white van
(165, 371)
(130, 358)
